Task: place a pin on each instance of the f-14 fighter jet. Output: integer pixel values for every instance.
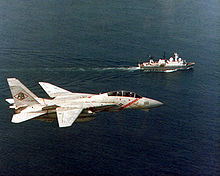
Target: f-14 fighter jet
(68, 106)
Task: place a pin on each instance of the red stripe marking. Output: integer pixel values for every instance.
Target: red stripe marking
(44, 101)
(45, 105)
(125, 106)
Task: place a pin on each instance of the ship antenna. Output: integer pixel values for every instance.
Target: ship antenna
(164, 55)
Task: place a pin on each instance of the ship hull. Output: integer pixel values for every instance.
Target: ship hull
(166, 68)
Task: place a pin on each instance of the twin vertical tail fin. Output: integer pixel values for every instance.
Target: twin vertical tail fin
(22, 98)
(22, 95)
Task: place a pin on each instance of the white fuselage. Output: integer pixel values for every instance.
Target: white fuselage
(92, 102)
(104, 99)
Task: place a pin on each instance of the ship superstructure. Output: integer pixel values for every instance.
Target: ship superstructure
(162, 65)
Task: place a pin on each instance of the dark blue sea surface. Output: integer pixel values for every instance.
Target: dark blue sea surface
(94, 46)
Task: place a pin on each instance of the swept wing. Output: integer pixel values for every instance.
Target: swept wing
(55, 91)
(67, 116)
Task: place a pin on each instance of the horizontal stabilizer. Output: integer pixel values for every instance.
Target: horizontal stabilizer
(67, 116)
(10, 100)
(21, 117)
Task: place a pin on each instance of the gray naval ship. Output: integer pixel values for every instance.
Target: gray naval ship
(172, 64)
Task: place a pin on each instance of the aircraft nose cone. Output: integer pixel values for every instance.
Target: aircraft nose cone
(155, 103)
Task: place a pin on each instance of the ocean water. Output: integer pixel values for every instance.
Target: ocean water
(95, 46)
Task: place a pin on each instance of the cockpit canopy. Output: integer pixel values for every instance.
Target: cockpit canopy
(124, 94)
